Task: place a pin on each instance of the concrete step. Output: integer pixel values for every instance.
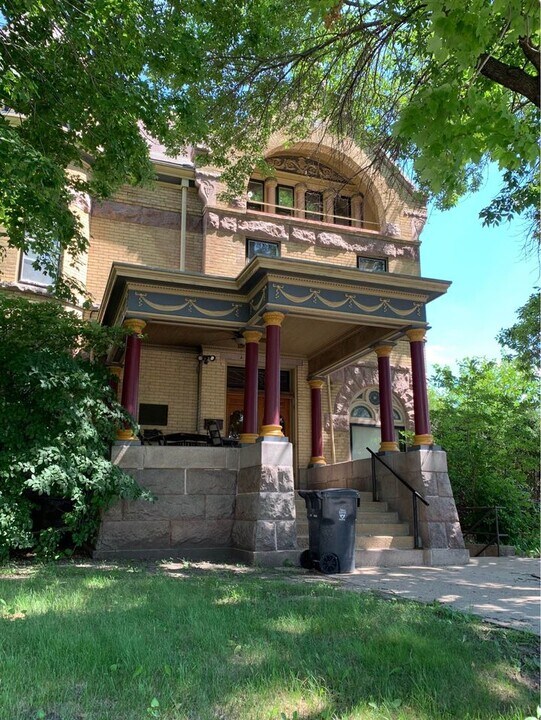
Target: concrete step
(371, 542)
(372, 529)
(388, 558)
(384, 542)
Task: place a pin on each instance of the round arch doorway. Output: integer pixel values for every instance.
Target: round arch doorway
(365, 424)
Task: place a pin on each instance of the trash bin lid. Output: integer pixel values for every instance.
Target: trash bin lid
(340, 492)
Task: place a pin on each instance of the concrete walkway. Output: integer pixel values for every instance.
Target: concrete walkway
(502, 590)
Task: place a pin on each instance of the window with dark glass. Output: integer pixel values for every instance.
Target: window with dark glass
(37, 276)
(285, 200)
(368, 264)
(236, 379)
(151, 414)
(342, 210)
(313, 205)
(261, 247)
(256, 195)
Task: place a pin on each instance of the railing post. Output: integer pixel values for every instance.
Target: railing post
(374, 489)
(497, 531)
(415, 524)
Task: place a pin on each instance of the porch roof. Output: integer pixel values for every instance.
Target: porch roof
(334, 314)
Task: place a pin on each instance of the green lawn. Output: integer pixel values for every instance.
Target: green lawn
(117, 643)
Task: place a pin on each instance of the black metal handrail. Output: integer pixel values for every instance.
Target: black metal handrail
(494, 536)
(415, 495)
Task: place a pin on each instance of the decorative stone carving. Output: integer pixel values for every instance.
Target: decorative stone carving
(206, 185)
(305, 166)
(269, 229)
(418, 220)
(392, 230)
(302, 235)
(81, 200)
(239, 202)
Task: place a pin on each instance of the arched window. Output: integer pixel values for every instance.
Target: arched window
(365, 424)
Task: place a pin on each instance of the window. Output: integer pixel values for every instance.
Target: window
(236, 375)
(256, 195)
(29, 274)
(285, 200)
(313, 205)
(342, 210)
(360, 411)
(150, 414)
(372, 264)
(261, 247)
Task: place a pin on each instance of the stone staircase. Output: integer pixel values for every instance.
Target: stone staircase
(381, 539)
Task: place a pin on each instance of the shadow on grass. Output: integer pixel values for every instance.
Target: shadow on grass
(104, 642)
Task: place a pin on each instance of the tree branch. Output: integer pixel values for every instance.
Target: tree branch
(511, 77)
(531, 51)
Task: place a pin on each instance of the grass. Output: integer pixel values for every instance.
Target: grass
(104, 643)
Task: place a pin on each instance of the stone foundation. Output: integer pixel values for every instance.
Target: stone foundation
(216, 503)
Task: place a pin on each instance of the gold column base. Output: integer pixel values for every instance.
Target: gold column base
(423, 439)
(389, 447)
(125, 435)
(318, 460)
(272, 431)
(248, 438)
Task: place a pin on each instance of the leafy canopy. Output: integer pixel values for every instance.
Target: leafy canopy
(486, 416)
(523, 339)
(58, 417)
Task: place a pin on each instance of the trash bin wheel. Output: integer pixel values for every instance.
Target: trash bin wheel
(306, 560)
(329, 563)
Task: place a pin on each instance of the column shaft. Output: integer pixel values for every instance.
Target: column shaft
(423, 435)
(251, 360)
(388, 442)
(271, 417)
(130, 381)
(317, 427)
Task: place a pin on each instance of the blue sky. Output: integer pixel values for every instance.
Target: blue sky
(491, 278)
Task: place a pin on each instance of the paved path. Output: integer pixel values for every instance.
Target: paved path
(502, 590)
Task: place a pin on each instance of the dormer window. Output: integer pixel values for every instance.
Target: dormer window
(256, 195)
(285, 199)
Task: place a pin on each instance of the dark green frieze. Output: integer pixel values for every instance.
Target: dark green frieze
(351, 303)
(186, 305)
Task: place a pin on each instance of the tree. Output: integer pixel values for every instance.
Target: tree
(524, 337)
(81, 85)
(440, 87)
(58, 417)
(486, 418)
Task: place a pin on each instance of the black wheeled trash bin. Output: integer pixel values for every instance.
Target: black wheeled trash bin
(331, 529)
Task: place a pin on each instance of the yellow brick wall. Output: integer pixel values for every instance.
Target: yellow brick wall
(169, 377)
(213, 390)
(9, 263)
(303, 416)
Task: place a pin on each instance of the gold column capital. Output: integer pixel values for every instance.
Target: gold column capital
(115, 370)
(416, 334)
(134, 325)
(273, 318)
(252, 336)
(316, 383)
(384, 350)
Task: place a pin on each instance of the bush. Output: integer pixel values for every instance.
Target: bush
(58, 418)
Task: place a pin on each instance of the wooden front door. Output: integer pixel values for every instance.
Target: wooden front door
(234, 408)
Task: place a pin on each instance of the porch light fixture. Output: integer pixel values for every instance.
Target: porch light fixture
(205, 359)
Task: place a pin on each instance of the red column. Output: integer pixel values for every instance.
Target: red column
(271, 417)
(423, 436)
(317, 429)
(249, 424)
(388, 442)
(130, 381)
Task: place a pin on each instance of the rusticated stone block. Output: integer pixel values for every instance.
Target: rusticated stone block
(257, 478)
(276, 506)
(220, 506)
(169, 481)
(135, 534)
(166, 507)
(201, 533)
(265, 535)
(286, 535)
(210, 482)
(442, 509)
(247, 506)
(454, 536)
(243, 534)
(286, 481)
(435, 535)
(114, 512)
(444, 485)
